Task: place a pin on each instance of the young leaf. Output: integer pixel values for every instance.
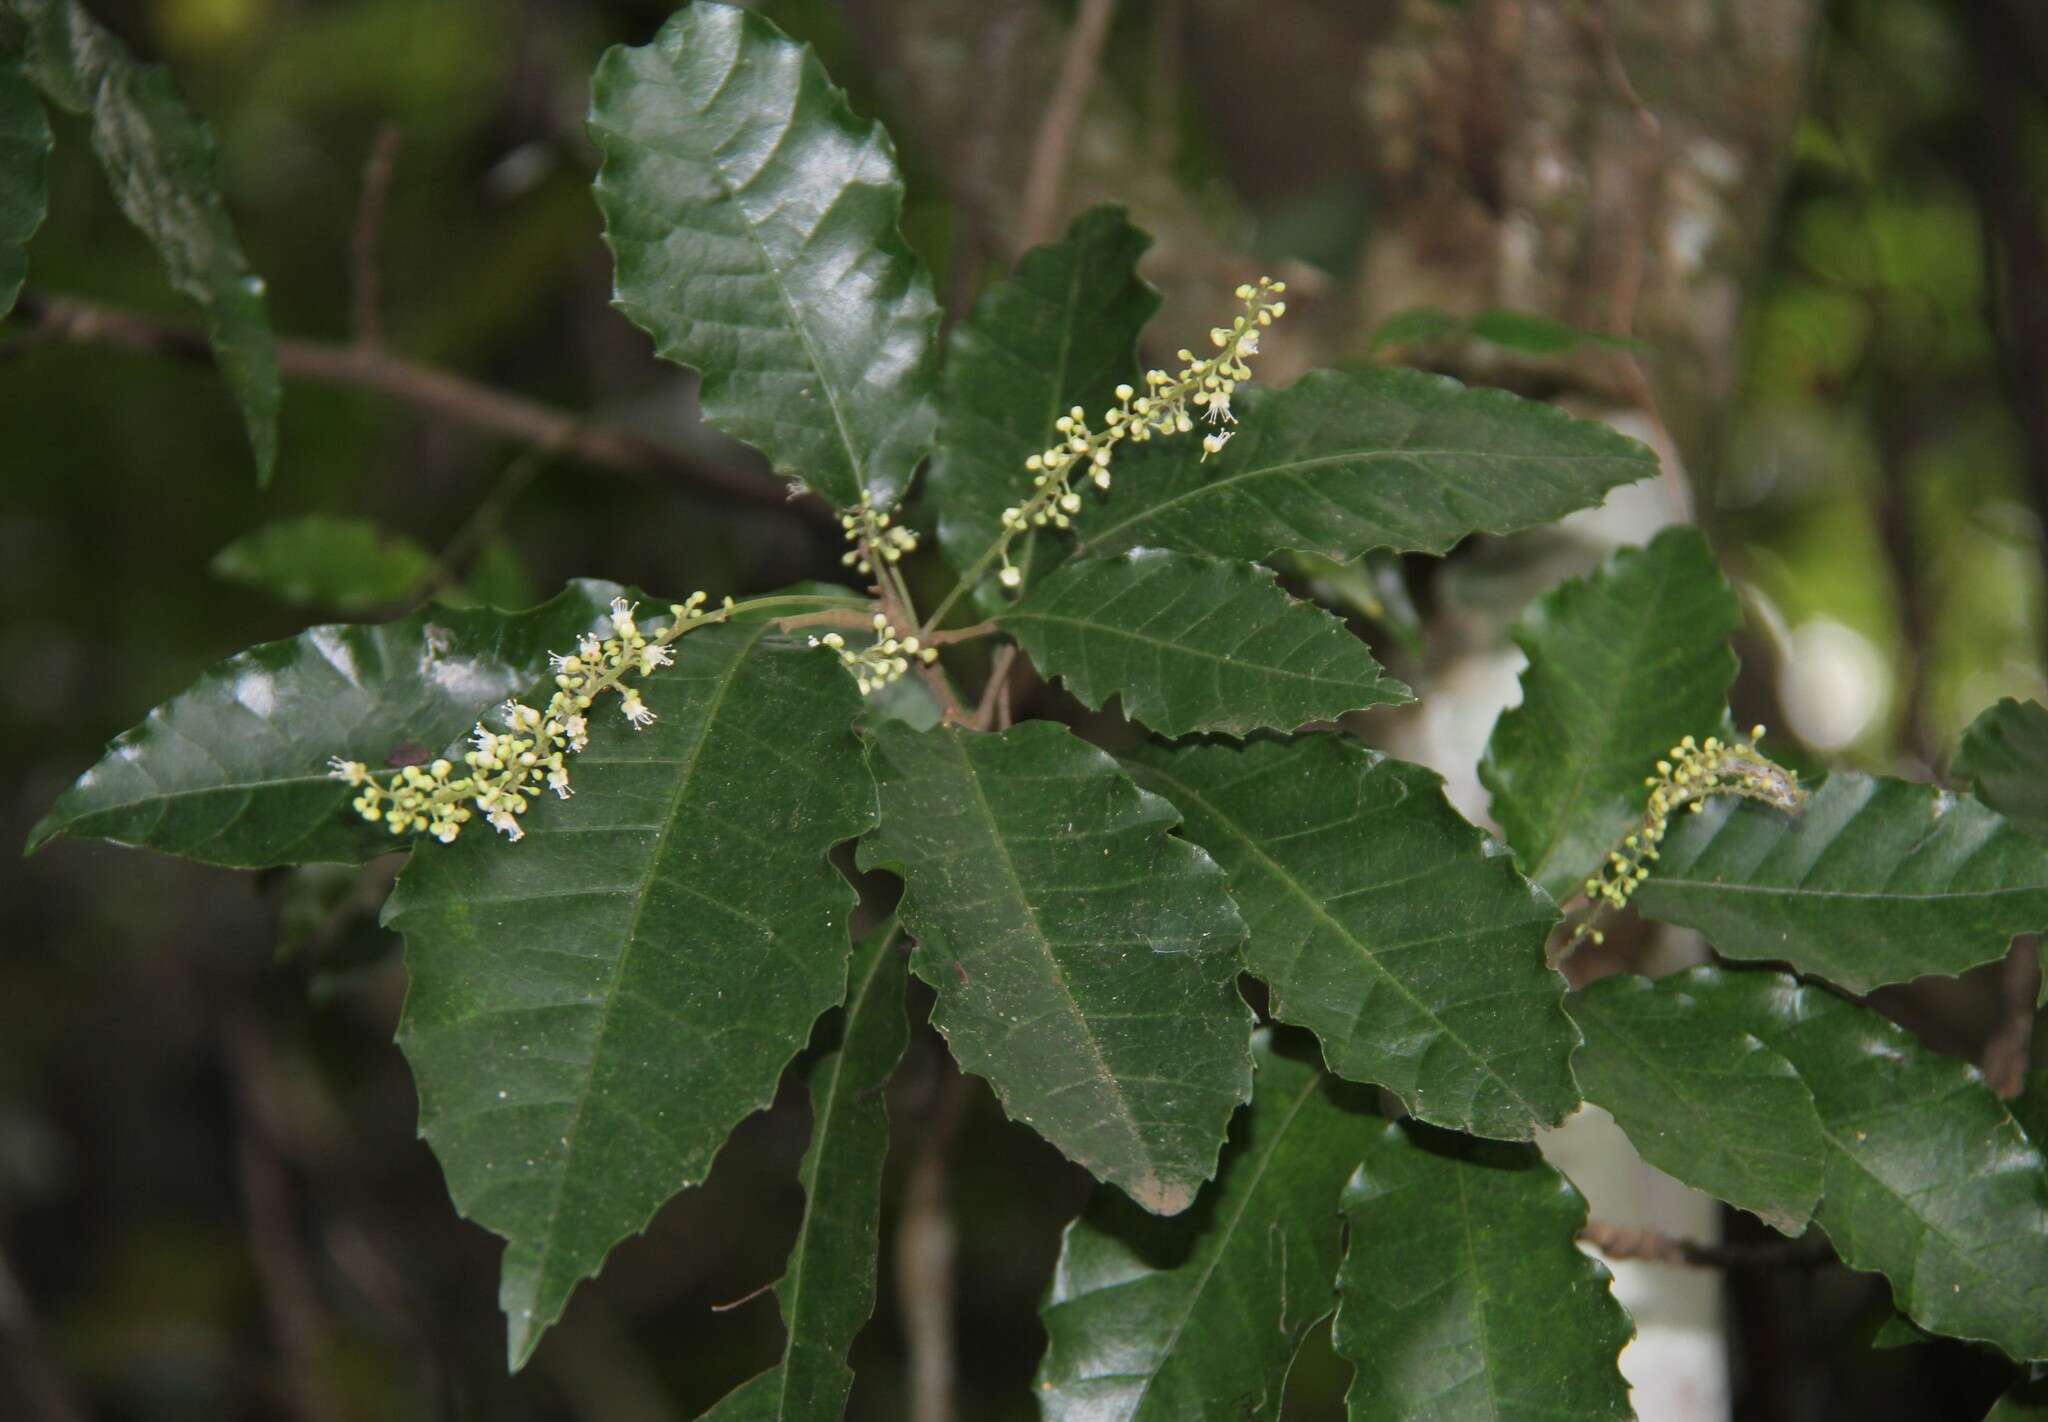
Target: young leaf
(1621, 665)
(347, 563)
(232, 770)
(1160, 1320)
(1061, 331)
(1195, 644)
(753, 220)
(1701, 1097)
(2005, 751)
(1345, 461)
(828, 1291)
(1384, 923)
(1929, 1180)
(24, 152)
(1876, 881)
(1464, 1292)
(159, 160)
(1085, 960)
(594, 1009)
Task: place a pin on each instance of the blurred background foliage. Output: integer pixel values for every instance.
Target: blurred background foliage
(212, 1204)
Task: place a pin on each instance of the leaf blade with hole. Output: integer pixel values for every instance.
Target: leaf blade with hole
(1085, 961)
(591, 1011)
(1701, 1098)
(1343, 462)
(1876, 881)
(231, 770)
(1621, 665)
(1464, 1293)
(753, 222)
(1195, 644)
(1135, 1339)
(1385, 924)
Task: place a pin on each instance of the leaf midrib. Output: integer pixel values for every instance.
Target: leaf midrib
(631, 940)
(1316, 907)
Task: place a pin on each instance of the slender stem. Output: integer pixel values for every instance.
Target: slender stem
(366, 294)
(991, 695)
(1620, 1242)
(925, 1241)
(423, 387)
(1062, 120)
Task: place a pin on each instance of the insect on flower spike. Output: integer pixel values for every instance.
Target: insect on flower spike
(1694, 773)
(504, 771)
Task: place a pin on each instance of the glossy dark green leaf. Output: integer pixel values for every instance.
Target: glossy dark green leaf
(1876, 881)
(159, 160)
(345, 563)
(1929, 1180)
(595, 1007)
(1161, 1320)
(233, 770)
(1384, 923)
(1085, 959)
(1465, 1294)
(828, 1290)
(1345, 461)
(2005, 751)
(1621, 665)
(1061, 331)
(24, 152)
(1195, 644)
(1701, 1097)
(753, 220)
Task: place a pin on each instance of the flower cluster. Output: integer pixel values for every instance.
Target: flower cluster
(1168, 405)
(873, 535)
(1694, 774)
(505, 770)
(882, 663)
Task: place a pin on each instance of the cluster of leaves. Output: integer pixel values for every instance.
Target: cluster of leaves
(593, 1011)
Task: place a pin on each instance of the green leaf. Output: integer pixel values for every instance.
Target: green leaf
(1929, 1180)
(2030, 1107)
(753, 220)
(828, 1290)
(2005, 751)
(593, 1009)
(1343, 462)
(1085, 960)
(1061, 331)
(24, 154)
(233, 771)
(159, 160)
(2025, 1401)
(1195, 644)
(1621, 665)
(1464, 1291)
(1384, 923)
(347, 563)
(1700, 1097)
(1162, 1320)
(1876, 881)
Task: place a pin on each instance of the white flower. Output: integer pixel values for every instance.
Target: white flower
(1248, 343)
(1219, 407)
(1213, 444)
(654, 655)
(636, 710)
(578, 728)
(507, 824)
(589, 648)
(352, 771)
(1010, 578)
(622, 618)
(558, 781)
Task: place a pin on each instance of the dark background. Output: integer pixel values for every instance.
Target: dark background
(212, 1203)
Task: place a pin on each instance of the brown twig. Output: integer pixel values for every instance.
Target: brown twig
(925, 1240)
(2009, 1051)
(1620, 1242)
(423, 387)
(992, 696)
(366, 284)
(1056, 130)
